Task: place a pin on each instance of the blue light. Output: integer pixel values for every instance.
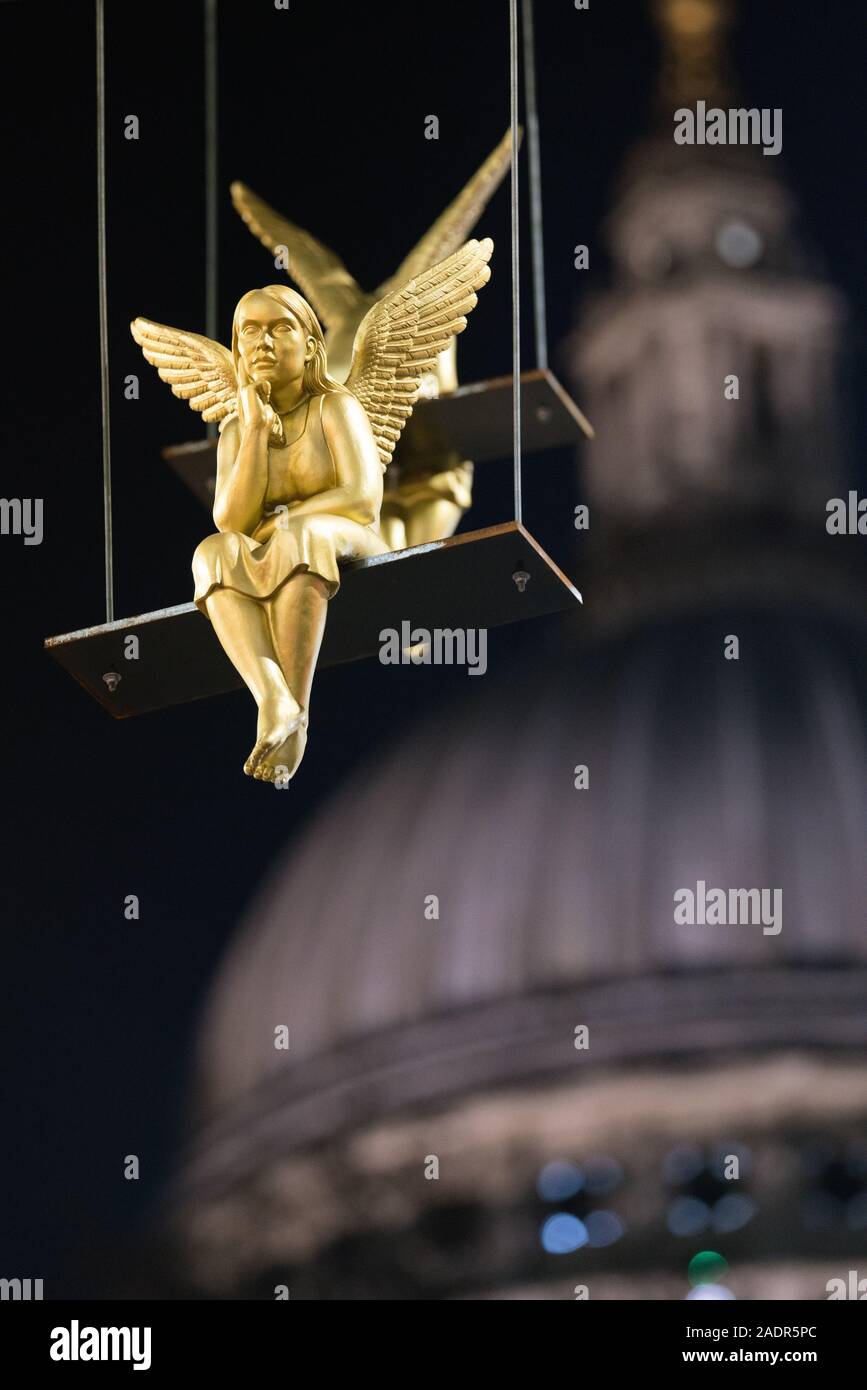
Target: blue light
(732, 1211)
(562, 1233)
(687, 1216)
(603, 1228)
(712, 1291)
(559, 1181)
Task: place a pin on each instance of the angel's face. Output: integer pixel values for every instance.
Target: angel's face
(271, 342)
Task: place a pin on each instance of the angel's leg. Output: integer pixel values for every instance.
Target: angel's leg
(392, 529)
(297, 615)
(435, 520)
(241, 624)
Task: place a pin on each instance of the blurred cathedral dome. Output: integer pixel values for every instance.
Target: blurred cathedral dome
(732, 772)
(455, 1036)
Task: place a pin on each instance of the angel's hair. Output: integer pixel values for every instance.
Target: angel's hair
(316, 381)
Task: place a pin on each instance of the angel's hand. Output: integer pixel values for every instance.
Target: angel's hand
(273, 521)
(255, 413)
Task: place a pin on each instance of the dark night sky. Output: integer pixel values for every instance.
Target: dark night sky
(321, 111)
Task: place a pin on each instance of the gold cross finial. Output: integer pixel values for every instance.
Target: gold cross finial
(694, 39)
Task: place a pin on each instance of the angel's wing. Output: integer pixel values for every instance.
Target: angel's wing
(197, 369)
(400, 338)
(455, 224)
(321, 274)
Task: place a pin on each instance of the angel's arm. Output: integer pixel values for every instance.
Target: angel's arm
(242, 475)
(202, 373)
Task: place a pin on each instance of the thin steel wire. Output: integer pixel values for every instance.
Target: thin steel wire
(211, 304)
(103, 308)
(516, 264)
(534, 162)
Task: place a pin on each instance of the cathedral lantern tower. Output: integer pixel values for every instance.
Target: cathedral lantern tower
(709, 365)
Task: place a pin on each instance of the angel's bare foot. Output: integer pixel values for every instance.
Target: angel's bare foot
(280, 767)
(279, 716)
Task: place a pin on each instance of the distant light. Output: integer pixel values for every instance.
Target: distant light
(732, 1211)
(706, 1267)
(603, 1228)
(738, 244)
(602, 1175)
(562, 1233)
(558, 1181)
(687, 1216)
(715, 1291)
(682, 1164)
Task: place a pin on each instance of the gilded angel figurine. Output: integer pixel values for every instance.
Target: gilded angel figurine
(300, 463)
(428, 489)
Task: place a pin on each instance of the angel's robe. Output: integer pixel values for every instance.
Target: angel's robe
(318, 544)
